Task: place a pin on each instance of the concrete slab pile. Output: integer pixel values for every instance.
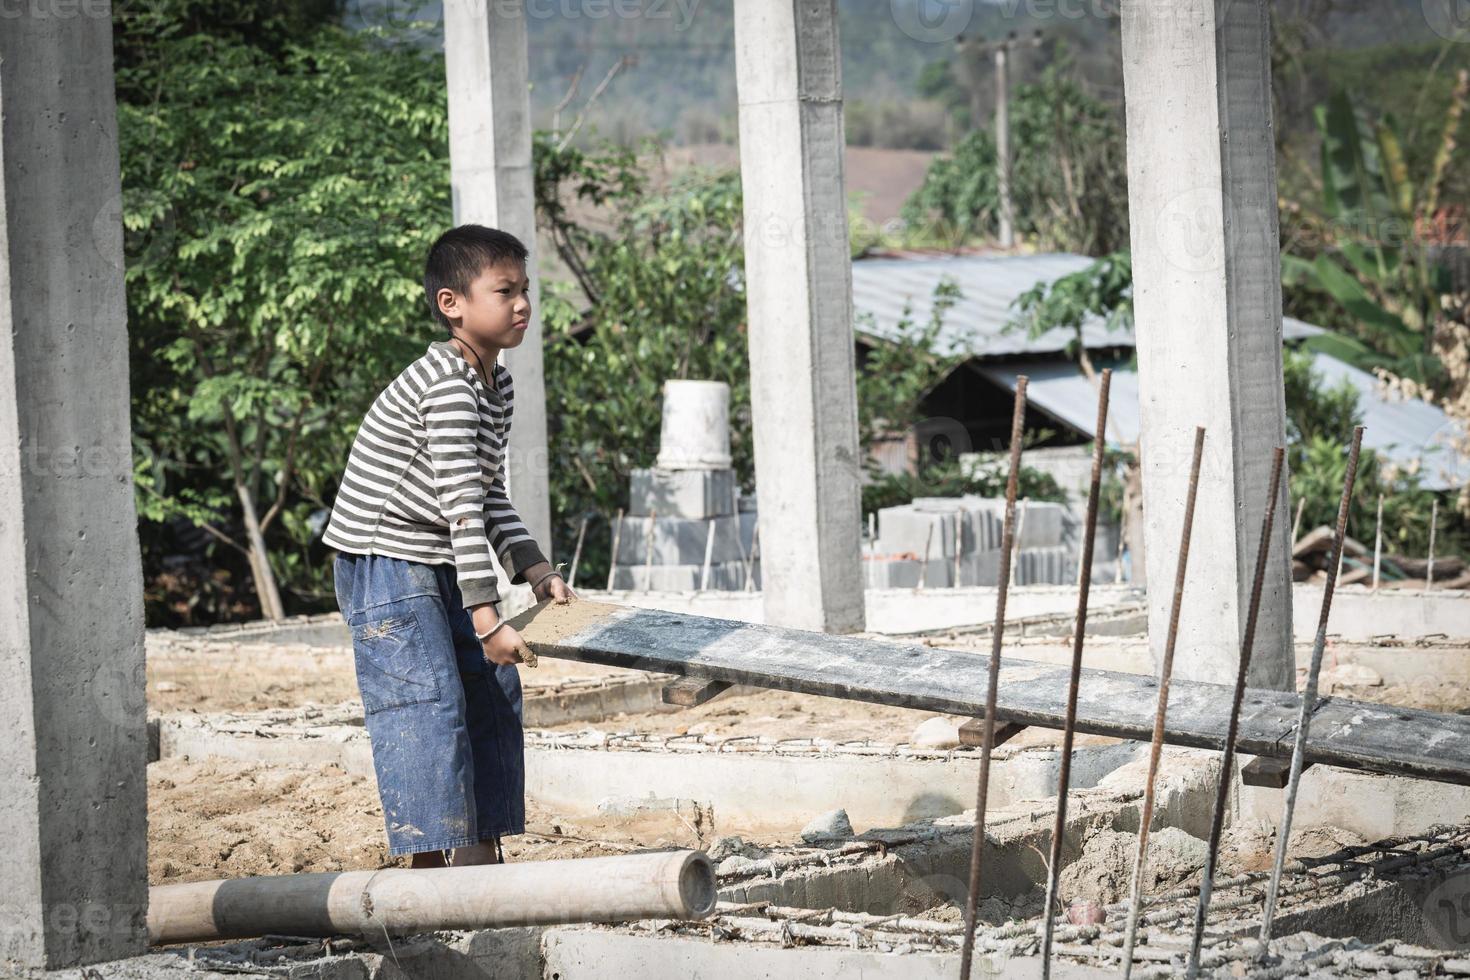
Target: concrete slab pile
(945, 542)
(686, 528)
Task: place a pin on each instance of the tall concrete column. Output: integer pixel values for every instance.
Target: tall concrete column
(1207, 301)
(73, 746)
(485, 62)
(798, 279)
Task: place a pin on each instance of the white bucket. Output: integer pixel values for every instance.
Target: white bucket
(696, 426)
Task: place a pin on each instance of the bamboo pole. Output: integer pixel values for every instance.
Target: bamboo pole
(404, 901)
(1429, 565)
(648, 552)
(924, 568)
(577, 554)
(709, 550)
(617, 538)
(1377, 542)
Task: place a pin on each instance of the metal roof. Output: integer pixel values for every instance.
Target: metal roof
(988, 285)
(1410, 434)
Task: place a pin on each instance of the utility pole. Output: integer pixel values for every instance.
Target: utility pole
(1003, 143)
(1001, 50)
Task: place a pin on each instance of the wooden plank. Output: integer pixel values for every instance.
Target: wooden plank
(1269, 773)
(972, 732)
(691, 692)
(1376, 738)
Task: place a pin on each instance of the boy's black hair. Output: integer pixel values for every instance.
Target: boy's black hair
(460, 255)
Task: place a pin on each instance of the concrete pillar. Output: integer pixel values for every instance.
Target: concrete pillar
(799, 299)
(73, 746)
(1207, 301)
(485, 62)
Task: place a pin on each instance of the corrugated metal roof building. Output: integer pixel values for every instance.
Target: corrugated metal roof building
(967, 416)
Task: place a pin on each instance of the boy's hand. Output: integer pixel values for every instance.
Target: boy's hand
(555, 588)
(507, 647)
(549, 584)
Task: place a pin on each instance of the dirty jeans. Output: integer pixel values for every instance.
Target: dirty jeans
(445, 724)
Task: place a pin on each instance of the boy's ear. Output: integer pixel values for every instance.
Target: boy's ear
(448, 301)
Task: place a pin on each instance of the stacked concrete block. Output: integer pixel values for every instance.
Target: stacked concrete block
(726, 576)
(906, 573)
(683, 540)
(963, 538)
(691, 493)
(695, 494)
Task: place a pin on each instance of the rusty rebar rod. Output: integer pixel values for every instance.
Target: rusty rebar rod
(987, 742)
(1166, 672)
(1069, 723)
(1222, 791)
(1309, 692)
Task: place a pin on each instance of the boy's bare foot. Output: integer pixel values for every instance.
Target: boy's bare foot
(481, 853)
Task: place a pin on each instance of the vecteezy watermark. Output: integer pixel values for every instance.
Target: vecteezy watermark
(1450, 19)
(54, 9)
(39, 459)
(151, 242)
(680, 12)
(932, 21)
(408, 20)
(1447, 913)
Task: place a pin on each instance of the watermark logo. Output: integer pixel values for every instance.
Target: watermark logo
(1450, 19)
(932, 21)
(1188, 231)
(1447, 913)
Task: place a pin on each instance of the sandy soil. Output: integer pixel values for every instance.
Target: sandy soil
(218, 818)
(249, 677)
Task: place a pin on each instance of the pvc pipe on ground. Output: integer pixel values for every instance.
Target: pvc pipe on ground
(404, 901)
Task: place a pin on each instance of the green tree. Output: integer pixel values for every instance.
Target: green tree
(277, 207)
(1362, 247)
(1068, 174)
(659, 293)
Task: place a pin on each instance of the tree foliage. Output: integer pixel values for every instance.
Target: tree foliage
(1068, 174)
(277, 207)
(660, 294)
(1363, 248)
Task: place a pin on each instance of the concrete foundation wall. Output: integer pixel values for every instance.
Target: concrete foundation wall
(580, 954)
(747, 789)
(1370, 805)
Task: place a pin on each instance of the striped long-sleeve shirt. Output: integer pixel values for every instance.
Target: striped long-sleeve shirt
(425, 478)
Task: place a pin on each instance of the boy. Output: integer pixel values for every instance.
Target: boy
(421, 503)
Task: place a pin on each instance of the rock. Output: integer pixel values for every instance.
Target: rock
(725, 847)
(938, 733)
(1173, 856)
(735, 865)
(1085, 912)
(1353, 675)
(1104, 871)
(833, 825)
(165, 686)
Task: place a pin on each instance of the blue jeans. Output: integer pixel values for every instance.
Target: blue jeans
(444, 723)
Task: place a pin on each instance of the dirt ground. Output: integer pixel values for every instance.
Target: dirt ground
(217, 818)
(220, 818)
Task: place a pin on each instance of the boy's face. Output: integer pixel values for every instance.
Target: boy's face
(496, 311)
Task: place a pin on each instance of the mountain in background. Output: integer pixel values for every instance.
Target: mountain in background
(680, 79)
